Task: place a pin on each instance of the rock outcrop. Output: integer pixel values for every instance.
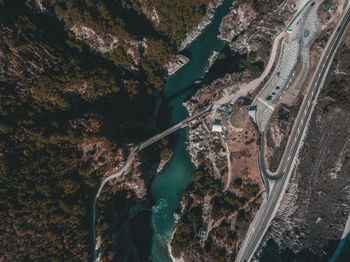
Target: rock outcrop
(178, 62)
(251, 26)
(237, 20)
(206, 20)
(104, 43)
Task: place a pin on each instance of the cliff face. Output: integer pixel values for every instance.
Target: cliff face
(313, 212)
(250, 26)
(237, 20)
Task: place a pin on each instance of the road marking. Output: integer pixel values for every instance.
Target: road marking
(248, 247)
(266, 104)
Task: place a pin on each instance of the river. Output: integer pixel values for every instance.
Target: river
(171, 183)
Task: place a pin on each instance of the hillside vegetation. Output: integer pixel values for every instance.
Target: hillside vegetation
(67, 111)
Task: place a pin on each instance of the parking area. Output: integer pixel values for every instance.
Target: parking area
(294, 49)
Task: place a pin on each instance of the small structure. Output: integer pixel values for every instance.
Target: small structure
(252, 112)
(202, 233)
(177, 63)
(217, 126)
(286, 37)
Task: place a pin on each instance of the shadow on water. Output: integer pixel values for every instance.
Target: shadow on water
(168, 186)
(188, 91)
(342, 253)
(164, 121)
(141, 234)
(227, 62)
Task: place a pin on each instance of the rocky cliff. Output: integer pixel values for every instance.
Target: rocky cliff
(237, 20)
(250, 26)
(205, 21)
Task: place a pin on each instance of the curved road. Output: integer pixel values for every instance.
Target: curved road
(270, 205)
(116, 174)
(126, 168)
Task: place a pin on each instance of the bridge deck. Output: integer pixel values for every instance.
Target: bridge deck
(172, 129)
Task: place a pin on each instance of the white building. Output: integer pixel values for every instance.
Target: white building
(252, 112)
(217, 126)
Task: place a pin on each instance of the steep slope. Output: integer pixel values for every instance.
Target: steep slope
(68, 111)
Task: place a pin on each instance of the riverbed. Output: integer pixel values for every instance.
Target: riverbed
(171, 183)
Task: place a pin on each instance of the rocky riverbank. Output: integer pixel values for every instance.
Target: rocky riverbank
(251, 26)
(206, 20)
(226, 159)
(178, 62)
(258, 38)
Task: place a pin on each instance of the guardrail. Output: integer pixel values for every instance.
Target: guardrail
(295, 17)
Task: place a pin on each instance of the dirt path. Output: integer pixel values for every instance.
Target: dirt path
(229, 175)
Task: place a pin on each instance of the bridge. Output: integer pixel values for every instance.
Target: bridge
(128, 164)
(172, 129)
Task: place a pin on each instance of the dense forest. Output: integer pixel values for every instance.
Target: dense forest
(67, 110)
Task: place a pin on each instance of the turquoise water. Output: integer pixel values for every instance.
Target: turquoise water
(170, 184)
(342, 252)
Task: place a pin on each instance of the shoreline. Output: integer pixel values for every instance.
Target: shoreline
(172, 258)
(162, 164)
(204, 22)
(192, 35)
(208, 20)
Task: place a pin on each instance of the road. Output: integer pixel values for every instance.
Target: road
(113, 175)
(172, 129)
(271, 202)
(128, 164)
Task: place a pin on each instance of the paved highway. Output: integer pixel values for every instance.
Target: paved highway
(274, 195)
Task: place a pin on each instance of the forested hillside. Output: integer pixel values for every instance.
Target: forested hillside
(67, 111)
